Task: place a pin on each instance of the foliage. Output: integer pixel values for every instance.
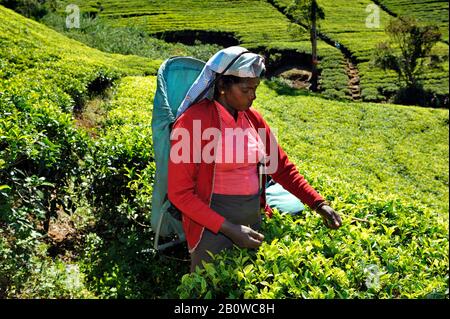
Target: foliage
(301, 10)
(44, 157)
(301, 259)
(435, 12)
(414, 42)
(346, 26)
(225, 16)
(49, 279)
(97, 33)
(30, 8)
(152, 18)
(309, 13)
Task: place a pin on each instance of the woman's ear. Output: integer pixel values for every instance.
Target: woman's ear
(219, 85)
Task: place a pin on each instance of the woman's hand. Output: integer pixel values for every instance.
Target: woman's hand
(330, 218)
(241, 235)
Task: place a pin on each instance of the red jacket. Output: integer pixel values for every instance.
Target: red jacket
(190, 184)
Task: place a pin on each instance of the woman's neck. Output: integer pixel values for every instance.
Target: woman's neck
(230, 110)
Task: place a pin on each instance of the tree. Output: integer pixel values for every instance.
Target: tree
(29, 8)
(409, 50)
(307, 13)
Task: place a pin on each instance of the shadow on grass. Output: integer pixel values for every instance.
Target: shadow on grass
(418, 95)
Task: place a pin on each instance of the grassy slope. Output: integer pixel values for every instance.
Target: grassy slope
(262, 26)
(268, 28)
(384, 164)
(28, 45)
(43, 76)
(259, 26)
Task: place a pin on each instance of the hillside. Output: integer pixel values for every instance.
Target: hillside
(435, 12)
(347, 26)
(271, 33)
(77, 170)
(53, 95)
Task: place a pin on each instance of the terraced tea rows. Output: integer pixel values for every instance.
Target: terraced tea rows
(259, 25)
(359, 26)
(433, 12)
(262, 28)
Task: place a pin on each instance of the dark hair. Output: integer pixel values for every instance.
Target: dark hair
(227, 81)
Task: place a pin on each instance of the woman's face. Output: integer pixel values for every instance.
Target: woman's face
(240, 95)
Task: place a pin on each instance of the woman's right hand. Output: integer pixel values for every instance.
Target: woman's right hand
(241, 235)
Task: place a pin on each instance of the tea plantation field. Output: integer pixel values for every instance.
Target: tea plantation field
(77, 169)
(428, 11)
(351, 25)
(371, 161)
(264, 25)
(218, 21)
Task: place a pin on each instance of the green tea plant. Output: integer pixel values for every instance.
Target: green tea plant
(119, 261)
(44, 77)
(344, 25)
(415, 43)
(226, 16)
(371, 163)
(301, 259)
(29, 8)
(269, 30)
(97, 33)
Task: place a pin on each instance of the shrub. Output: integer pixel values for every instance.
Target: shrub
(415, 43)
(35, 9)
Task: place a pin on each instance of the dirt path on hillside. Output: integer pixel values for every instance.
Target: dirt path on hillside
(354, 80)
(351, 64)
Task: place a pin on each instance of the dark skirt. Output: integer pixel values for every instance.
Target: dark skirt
(237, 209)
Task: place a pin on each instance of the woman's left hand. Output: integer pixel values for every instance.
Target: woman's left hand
(330, 218)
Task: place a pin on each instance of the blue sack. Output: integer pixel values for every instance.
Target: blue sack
(175, 77)
(279, 198)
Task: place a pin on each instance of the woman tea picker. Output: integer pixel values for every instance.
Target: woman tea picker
(220, 146)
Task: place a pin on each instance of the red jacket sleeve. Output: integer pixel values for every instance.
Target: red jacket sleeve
(182, 182)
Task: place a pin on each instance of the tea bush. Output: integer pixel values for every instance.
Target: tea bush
(30, 8)
(372, 163)
(435, 12)
(270, 30)
(43, 156)
(119, 261)
(301, 259)
(97, 33)
(343, 24)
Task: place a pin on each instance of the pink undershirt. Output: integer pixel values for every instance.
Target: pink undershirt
(237, 155)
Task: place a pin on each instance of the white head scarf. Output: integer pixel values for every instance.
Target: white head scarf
(249, 65)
